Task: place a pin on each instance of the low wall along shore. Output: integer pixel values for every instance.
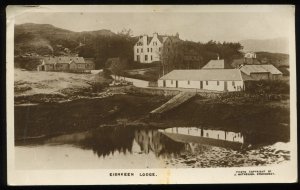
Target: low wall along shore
(142, 87)
(167, 92)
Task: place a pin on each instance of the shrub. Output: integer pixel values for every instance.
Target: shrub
(267, 87)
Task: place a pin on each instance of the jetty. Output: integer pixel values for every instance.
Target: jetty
(174, 102)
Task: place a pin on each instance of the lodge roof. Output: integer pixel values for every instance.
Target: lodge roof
(204, 75)
(63, 59)
(89, 60)
(161, 38)
(248, 69)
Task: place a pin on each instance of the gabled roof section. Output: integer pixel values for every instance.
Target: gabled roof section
(215, 64)
(63, 59)
(248, 69)
(204, 75)
(162, 38)
(49, 60)
(272, 69)
(149, 39)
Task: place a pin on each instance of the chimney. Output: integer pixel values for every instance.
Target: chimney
(145, 40)
(155, 34)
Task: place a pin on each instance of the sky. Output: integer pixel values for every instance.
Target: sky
(195, 26)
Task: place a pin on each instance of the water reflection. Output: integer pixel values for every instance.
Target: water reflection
(109, 140)
(207, 133)
(156, 142)
(136, 147)
(103, 141)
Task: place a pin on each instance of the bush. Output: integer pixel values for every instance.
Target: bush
(267, 87)
(97, 87)
(28, 63)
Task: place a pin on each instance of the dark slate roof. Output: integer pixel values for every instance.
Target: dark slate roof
(149, 40)
(63, 59)
(248, 69)
(215, 64)
(89, 60)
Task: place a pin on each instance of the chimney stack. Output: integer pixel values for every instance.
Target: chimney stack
(145, 39)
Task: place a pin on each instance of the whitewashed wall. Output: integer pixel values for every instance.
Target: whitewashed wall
(160, 83)
(207, 85)
(154, 53)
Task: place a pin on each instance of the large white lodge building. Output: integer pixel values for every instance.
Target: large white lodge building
(148, 49)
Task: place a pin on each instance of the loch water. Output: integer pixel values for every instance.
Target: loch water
(140, 147)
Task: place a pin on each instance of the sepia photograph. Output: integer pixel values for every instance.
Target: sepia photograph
(151, 94)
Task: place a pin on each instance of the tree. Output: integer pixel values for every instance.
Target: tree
(125, 32)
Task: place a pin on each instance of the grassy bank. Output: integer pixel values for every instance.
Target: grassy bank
(82, 114)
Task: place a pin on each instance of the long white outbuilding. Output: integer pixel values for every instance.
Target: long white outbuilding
(210, 79)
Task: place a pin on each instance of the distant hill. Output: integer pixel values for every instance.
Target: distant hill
(276, 59)
(48, 39)
(276, 45)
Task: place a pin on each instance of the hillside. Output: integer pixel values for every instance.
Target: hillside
(276, 59)
(276, 45)
(45, 39)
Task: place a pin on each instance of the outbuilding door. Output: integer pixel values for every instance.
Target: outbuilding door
(177, 84)
(225, 86)
(201, 84)
(164, 83)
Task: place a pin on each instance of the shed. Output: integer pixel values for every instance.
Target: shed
(261, 72)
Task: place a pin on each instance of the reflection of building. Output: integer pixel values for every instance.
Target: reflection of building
(148, 140)
(205, 136)
(154, 141)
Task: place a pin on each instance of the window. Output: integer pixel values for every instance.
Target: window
(188, 82)
(159, 49)
(151, 58)
(137, 50)
(142, 50)
(146, 57)
(138, 58)
(218, 83)
(206, 82)
(151, 49)
(147, 49)
(171, 81)
(233, 83)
